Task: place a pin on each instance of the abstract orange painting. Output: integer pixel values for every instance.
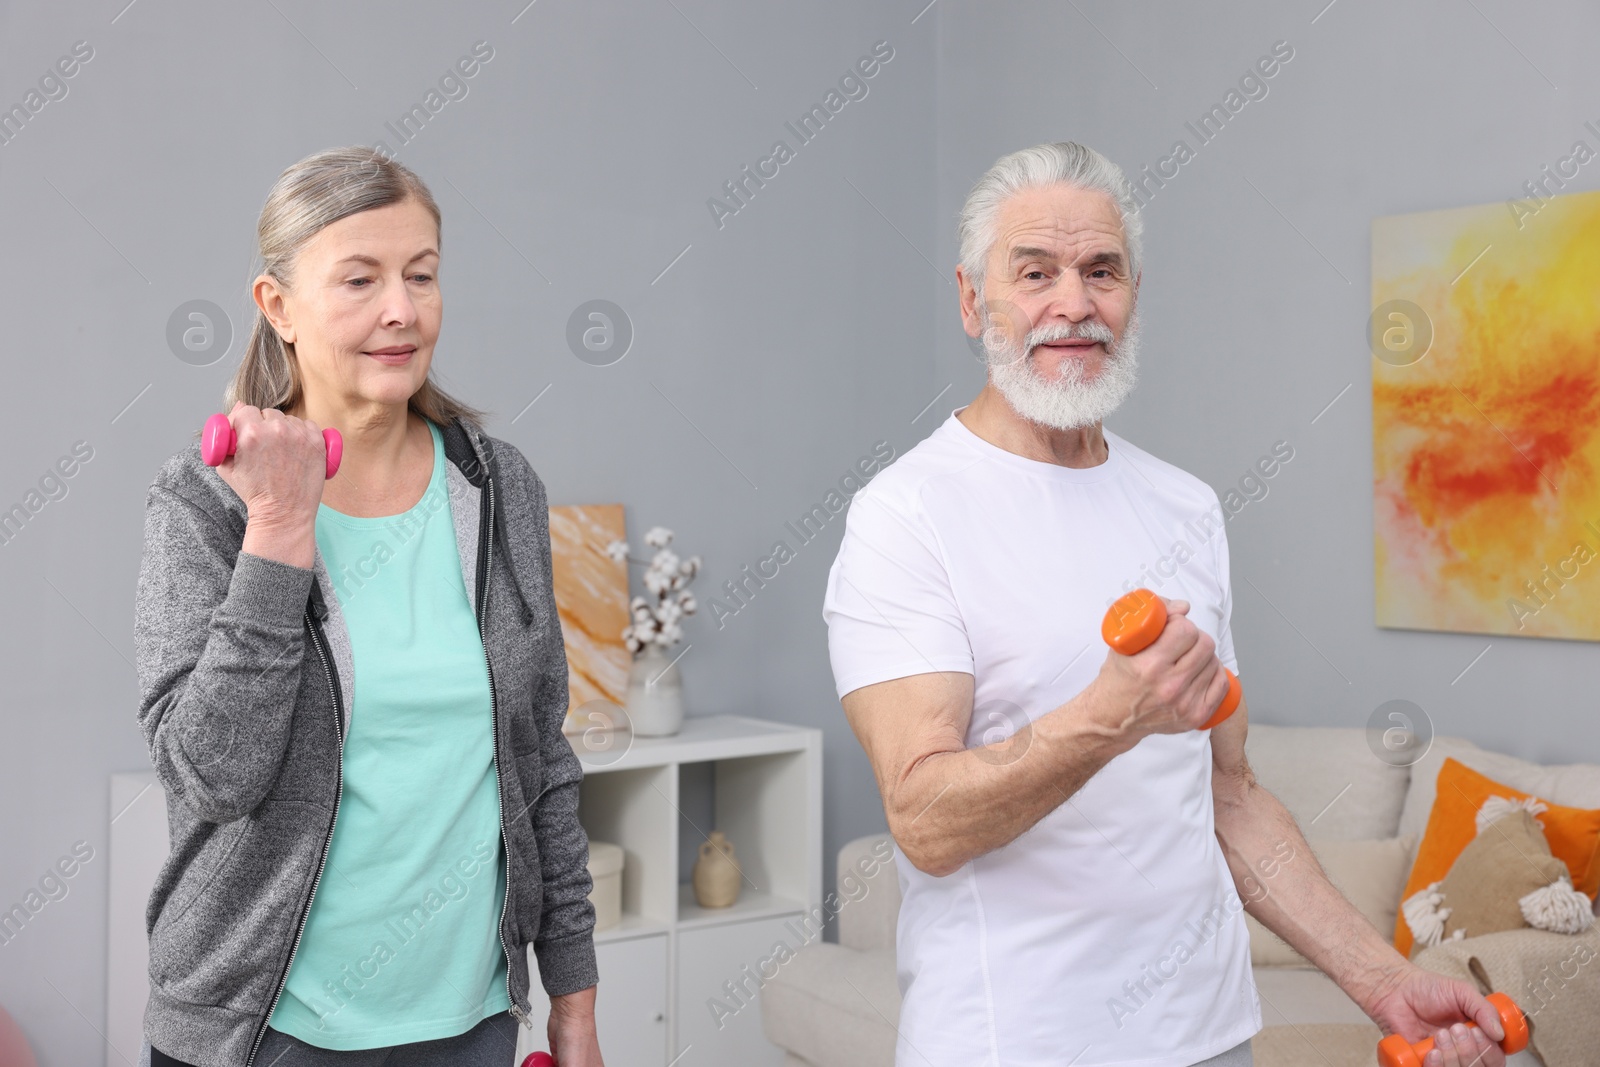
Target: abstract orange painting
(592, 601)
(1486, 418)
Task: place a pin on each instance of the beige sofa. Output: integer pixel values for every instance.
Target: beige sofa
(836, 1005)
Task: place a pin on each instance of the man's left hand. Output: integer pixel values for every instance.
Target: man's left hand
(1424, 1004)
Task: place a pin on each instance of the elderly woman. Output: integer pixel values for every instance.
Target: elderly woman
(353, 689)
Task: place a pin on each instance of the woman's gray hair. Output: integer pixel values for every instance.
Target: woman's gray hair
(318, 191)
(1044, 164)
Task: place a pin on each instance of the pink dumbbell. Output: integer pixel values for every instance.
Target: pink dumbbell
(218, 442)
(539, 1059)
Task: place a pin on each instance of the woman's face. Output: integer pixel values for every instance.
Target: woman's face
(364, 309)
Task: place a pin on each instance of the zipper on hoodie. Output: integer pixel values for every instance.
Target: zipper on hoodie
(484, 541)
(338, 725)
(485, 544)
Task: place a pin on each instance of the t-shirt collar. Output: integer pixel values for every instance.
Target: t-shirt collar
(1100, 472)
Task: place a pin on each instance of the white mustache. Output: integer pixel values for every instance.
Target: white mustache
(1086, 330)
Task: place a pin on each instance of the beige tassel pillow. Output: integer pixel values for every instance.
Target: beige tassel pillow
(1505, 879)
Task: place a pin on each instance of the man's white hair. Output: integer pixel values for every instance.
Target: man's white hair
(1042, 165)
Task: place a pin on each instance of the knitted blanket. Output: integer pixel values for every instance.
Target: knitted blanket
(1554, 978)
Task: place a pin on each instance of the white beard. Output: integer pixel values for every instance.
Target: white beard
(1068, 402)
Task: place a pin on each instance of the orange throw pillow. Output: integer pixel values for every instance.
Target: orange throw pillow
(1573, 833)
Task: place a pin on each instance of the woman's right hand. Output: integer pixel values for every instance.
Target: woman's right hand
(278, 468)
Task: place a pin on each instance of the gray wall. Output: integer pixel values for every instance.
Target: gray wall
(817, 321)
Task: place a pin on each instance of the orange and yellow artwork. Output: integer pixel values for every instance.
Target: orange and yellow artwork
(1486, 418)
(592, 601)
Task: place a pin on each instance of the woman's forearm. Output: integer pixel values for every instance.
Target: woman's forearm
(203, 621)
(294, 544)
(574, 1005)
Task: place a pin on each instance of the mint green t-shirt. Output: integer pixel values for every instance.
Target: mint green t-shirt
(402, 942)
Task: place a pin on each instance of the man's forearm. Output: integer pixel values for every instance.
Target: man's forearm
(1293, 897)
(953, 806)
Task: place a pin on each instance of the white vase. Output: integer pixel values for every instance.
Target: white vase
(655, 694)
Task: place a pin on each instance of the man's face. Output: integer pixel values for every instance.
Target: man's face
(1057, 312)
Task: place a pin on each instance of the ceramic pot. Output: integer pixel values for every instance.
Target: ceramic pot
(716, 873)
(655, 694)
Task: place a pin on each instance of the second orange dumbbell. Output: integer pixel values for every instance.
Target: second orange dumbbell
(1396, 1051)
(1134, 622)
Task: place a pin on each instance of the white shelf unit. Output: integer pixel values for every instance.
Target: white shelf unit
(667, 963)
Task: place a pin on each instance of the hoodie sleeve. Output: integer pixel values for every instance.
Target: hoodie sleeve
(219, 642)
(565, 945)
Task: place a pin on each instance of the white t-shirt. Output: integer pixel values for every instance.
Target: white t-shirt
(1110, 932)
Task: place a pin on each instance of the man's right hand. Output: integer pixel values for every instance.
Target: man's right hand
(1172, 686)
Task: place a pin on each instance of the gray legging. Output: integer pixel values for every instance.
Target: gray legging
(492, 1043)
(1237, 1056)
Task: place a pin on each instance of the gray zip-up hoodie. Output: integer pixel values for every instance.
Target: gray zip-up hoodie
(245, 679)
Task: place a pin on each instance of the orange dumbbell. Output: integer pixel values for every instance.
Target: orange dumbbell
(1134, 622)
(1396, 1051)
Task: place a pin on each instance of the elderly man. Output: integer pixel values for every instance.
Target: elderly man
(1073, 850)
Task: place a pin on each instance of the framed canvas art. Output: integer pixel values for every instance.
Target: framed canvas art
(592, 600)
(1485, 334)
